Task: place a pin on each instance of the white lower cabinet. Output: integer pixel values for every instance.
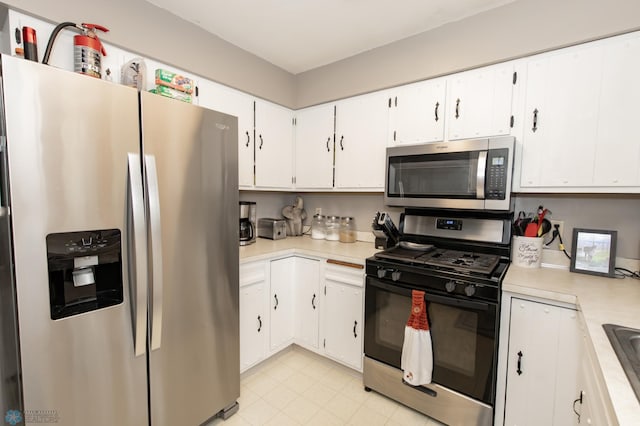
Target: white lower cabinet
(254, 321)
(542, 364)
(306, 302)
(342, 319)
(312, 303)
(281, 303)
(592, 403)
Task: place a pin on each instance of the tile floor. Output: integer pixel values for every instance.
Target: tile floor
(298, 387)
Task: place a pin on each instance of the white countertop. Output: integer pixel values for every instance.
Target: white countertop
(600, 301)
(348, 252)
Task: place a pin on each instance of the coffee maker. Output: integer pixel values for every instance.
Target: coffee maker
(247, 222)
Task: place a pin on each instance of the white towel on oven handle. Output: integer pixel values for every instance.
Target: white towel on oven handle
(417, 357)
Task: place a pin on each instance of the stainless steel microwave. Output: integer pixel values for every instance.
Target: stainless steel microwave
(467, 174)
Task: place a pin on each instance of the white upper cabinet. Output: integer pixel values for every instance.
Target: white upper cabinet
(361, 130)
(617, 156)
(221, 98)
(417, 112)
(273, 145)
(314, 147)
(560, 118)
(580, 116)
(479, 102)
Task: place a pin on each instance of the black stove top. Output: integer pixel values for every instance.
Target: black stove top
(455, 260)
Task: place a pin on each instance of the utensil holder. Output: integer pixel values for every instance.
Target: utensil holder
(526, 251)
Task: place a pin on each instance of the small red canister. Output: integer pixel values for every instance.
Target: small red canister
(30, 44)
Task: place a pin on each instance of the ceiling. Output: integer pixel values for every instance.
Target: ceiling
(299, 35)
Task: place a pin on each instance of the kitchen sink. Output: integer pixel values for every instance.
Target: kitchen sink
(626, 344)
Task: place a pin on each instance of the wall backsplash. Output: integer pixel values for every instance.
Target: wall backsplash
(597, 211)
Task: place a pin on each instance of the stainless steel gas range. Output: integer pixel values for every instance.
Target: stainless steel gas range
(459, 259)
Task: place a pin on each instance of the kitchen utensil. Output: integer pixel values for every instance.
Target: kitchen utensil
(531, 229)
(541, 214)
(544, 228)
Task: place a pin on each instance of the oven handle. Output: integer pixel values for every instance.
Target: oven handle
(429, 297)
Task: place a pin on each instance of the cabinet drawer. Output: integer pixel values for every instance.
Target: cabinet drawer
(344, 272)
(252, 272)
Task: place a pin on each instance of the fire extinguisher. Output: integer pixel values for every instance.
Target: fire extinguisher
(87, 48)
(88, 51)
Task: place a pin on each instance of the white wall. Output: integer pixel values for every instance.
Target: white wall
(517, 29)
(140, 27)
(603, 211)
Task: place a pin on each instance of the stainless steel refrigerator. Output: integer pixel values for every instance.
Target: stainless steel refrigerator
(122, 231)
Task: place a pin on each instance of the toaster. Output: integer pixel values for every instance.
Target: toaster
(274, 229)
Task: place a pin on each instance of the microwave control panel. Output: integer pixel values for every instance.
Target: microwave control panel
(497, 172)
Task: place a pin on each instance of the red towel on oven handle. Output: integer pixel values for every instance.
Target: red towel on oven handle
(417, 352)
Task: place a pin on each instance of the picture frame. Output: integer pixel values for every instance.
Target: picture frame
(593, 251)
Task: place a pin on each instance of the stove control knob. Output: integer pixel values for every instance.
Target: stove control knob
(470, 290)
(382, 272)
(450, 286)
(395, 275)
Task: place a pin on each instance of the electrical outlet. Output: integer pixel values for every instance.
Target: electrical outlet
(560, 224)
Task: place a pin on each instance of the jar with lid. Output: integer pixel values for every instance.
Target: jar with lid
(318, 224)
(348, 233)
(332, 228)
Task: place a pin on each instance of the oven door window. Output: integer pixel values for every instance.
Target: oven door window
(451, 175)
(463, 336)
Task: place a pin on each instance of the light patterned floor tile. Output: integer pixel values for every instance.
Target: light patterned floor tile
(280, 396)
(342, 407)
(367, 417)
(282, 419)
(354, 389)
(335, 379)
(298, 387)
(258, 413)
(301, 410)
(316, 369)
(319, 394)
(247, 396)
(407, 416)
(299, 382)
(380, 404)
(325, 418)
(261, 383)
(280, 372)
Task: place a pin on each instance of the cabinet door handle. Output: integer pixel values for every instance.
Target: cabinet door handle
(248, 139)
(574, 405)
(259, 323)
(341, 146)
(275, 296)
(535, 120)
(328, 140)
(519, 369)
(395, 101)
(436, 111)
(261, 142)
(355, 324)
(457, 108)
(313, 301)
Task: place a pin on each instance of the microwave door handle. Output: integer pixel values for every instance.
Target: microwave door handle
(481, 174)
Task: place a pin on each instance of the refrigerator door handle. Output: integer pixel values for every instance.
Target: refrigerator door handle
(137, 255)
(155, 236)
